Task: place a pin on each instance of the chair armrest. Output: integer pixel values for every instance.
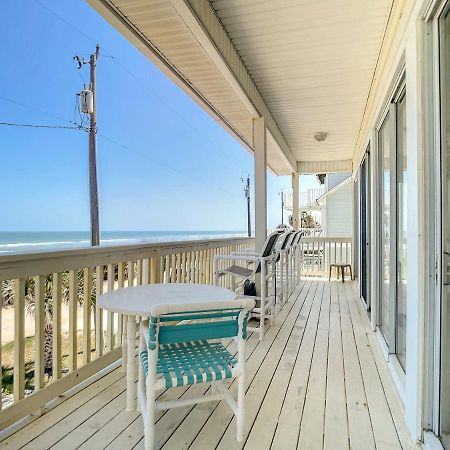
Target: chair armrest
(237, 258)
(249, 253)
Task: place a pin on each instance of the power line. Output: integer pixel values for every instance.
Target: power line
(162, 101)
(142, 83)
(32, 125)
(71, 25)
(167, 166)
(32, 108)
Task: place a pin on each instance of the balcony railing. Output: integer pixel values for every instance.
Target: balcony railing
(60, 336)
(317, 253)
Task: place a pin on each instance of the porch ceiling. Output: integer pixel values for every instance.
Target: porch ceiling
(313, 63)
(305, 65)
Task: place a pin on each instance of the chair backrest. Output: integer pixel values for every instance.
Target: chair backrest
(269, 244)
(202, 327)
(297, 237)
(285, 240)
(268, 247)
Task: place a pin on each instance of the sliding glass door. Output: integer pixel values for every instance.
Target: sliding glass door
(444, 59)
(364, 228)
(384, 148)
(401, 229)
(393, 225)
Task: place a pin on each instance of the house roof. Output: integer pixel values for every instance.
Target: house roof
(334, 189)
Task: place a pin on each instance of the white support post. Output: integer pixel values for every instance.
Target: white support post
(260, 148)
(295, 201)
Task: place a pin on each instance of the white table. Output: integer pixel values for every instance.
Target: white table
(140, 300)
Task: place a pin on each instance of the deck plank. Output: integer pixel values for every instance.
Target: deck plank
(288, 426)
(256, 391)
(336, 421)
(384, 430)
(263, 429)
(359, 422)
(313, 419)
(54, 416)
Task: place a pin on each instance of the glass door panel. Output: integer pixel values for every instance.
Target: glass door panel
(364, 230)
(444, 32)
(385, 154)
(401, 231)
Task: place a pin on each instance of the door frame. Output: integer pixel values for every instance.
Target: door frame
(432, 217)
(367, 266)
(396, 93)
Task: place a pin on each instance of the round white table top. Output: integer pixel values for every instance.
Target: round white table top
(164, 298)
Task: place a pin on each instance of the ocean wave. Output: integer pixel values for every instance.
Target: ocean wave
(11, 247)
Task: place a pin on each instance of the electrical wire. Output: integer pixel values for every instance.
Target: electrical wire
(167, 166)
(73, 123)
(32, 125)
(71, 25)
(226, 157)
(171, 108)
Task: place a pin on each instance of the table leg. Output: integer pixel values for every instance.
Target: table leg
(131, 372)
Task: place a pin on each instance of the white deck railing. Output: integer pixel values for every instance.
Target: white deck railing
(60, 337)
(317, 253)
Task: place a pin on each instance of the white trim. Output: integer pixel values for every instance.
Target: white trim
(431, 441)
(334, 189)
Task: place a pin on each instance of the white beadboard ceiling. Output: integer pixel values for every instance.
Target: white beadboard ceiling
(312, 62)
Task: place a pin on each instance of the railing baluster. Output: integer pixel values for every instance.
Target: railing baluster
(110, 314)
(57, 337)
(39, 332)
(145, 271)
(120, 284)
(87, 289)
(73, 300)
(99, 312)
(173, 271)
(19, 339)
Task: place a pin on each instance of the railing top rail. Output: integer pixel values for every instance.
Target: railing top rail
(343, 240)
(22, 265)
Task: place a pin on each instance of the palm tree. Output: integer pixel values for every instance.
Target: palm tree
(8, 300)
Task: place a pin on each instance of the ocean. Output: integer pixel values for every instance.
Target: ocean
(35, 241)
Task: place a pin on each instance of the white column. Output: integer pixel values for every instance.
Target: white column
(260, 147)
(295, 201)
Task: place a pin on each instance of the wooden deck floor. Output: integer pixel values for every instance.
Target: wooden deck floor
(316, 381)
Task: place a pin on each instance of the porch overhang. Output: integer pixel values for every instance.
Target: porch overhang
(188, 43)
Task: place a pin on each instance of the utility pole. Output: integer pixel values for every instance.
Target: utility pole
(282, 206)
(89, 107)
(247, 196)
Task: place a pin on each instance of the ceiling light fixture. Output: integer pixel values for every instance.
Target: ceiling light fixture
(320, 136)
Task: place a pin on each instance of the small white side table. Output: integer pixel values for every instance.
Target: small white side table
(139, 301)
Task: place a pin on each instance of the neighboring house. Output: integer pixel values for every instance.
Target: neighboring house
(336, 205)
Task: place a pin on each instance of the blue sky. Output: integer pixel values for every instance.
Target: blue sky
(163, 163)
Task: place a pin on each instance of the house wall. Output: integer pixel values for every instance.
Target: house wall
(333, 179)
(406, 45)
(339, 212)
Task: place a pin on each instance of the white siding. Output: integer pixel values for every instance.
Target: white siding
(339, 212)
(333, 179)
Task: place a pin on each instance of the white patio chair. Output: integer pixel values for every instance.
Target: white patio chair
(262, 273)
(180, 355)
